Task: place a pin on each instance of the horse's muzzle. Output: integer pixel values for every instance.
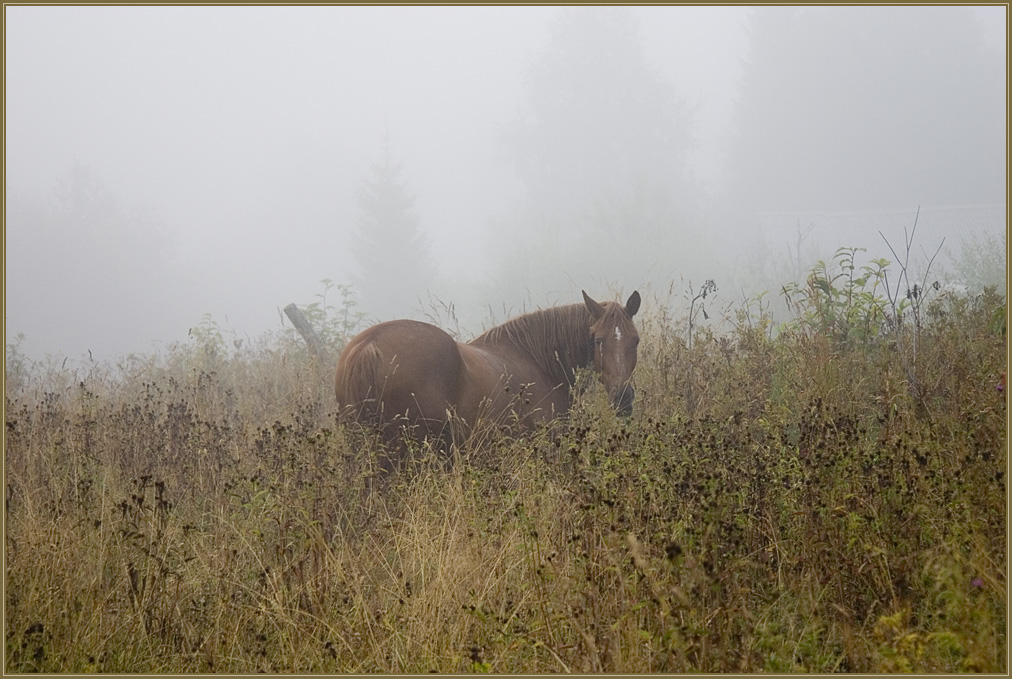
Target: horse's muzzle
(623, 401)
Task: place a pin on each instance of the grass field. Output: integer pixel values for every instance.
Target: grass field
(827, 497)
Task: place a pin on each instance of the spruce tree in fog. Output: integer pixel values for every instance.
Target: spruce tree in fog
(394, 270)
(600, 148)
(600, 123)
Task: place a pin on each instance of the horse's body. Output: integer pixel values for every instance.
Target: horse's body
(409, 373)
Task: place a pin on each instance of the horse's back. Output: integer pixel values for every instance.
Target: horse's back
(499, 385)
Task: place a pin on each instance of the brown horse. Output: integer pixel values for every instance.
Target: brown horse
(523, 371)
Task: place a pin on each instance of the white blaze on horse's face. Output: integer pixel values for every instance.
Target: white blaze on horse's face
(615, 348)
(619, 352)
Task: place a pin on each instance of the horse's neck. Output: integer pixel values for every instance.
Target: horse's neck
(555, 340)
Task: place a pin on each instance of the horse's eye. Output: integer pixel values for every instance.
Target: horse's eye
(598, 341)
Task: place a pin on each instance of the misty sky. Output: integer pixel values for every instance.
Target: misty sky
(230, 145)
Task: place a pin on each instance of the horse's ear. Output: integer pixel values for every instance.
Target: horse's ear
(595, 309)
(633, 305)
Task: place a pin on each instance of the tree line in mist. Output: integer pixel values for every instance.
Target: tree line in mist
(838, 108)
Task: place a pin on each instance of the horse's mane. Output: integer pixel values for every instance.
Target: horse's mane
(556, 339)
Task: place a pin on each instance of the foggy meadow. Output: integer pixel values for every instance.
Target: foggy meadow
(812, 201)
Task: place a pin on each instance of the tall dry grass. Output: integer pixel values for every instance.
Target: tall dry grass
(777, 503)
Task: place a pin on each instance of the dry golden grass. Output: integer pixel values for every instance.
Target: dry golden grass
(794, 510)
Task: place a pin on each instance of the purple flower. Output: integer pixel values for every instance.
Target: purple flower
(977, 582)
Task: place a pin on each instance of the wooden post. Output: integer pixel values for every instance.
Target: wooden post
(316, 347)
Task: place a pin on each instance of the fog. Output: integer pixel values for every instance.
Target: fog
(168, 165)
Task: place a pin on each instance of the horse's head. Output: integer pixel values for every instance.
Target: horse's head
(615, 341)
